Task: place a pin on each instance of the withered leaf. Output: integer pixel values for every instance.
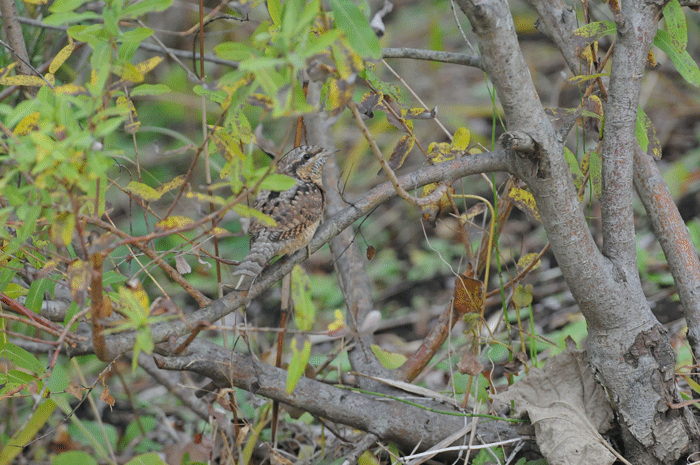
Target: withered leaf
(401, 150)
(468, 295)
(469, 364)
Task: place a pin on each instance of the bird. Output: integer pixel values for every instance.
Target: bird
(297, 212)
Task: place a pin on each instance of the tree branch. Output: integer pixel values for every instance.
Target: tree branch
(386, 417)
(674, 238)
(635, 32)
(434, 55)
(13, 31)
(447, 171)
(652, 189)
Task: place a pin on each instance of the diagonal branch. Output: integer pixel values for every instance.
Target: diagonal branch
(449, 171)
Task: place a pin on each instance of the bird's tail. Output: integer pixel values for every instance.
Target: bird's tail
(252, 265)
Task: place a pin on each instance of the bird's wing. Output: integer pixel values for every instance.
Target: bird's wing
(294, 210)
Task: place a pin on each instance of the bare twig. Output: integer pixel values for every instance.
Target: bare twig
(434, 55)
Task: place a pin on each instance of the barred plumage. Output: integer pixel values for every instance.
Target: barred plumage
(297, 212)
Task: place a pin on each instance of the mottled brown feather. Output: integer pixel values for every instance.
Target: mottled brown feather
(297, 211)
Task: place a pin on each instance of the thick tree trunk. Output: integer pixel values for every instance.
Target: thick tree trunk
(628, 348)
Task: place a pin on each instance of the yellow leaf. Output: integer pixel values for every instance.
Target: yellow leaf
(129, 72)
(22, 80)
(220, 232)
(148, 65)
(461, 139)
(62, 227)
(526, 260)
(135, 288)
(389, 360)
(26, 124)
(62, 56)
(304, 308)
(431, 212)
(419, 113)
(651, 60)
(79, 273)
(132, 125)
(524, 201)
(144, 191)
(174, 221)
(204, 198)
(14, 290)
(36, 2)
(338, 322)
(522, 295)
(587, 54)
(176, 182)
(339, 95)
(367, 459)
(347, 62)
(261, 101)
(441, 151)
(7, 69)
(298, 361)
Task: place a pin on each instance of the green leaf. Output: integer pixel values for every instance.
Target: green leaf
(390, 360)
(35, 296)
(574, 167)
(290, 19)
(150, 458)
(8, 272)
(307, 18)
(586, 35)
(596, 167)
(304, 308)
(249, 212)
(258, 63)
(277, 182)
(65, 6)
(317, 45)
(137, 35)
(682, 60)
(236, 51)
(486, 456)
(645, 132)
(274, 8)
(675, 25)
(298, 361)
(360, 35)
(60, 19)
(73, 457)
(216, 96)
(150, 89)
(14, 446)
(146, 6)
(23, 359)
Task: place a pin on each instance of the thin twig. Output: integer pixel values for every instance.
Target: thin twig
(421, 202)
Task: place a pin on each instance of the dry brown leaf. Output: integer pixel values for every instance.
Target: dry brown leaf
(468, 295)
(568, 409)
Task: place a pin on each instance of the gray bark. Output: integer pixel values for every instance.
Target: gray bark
(628, 348)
